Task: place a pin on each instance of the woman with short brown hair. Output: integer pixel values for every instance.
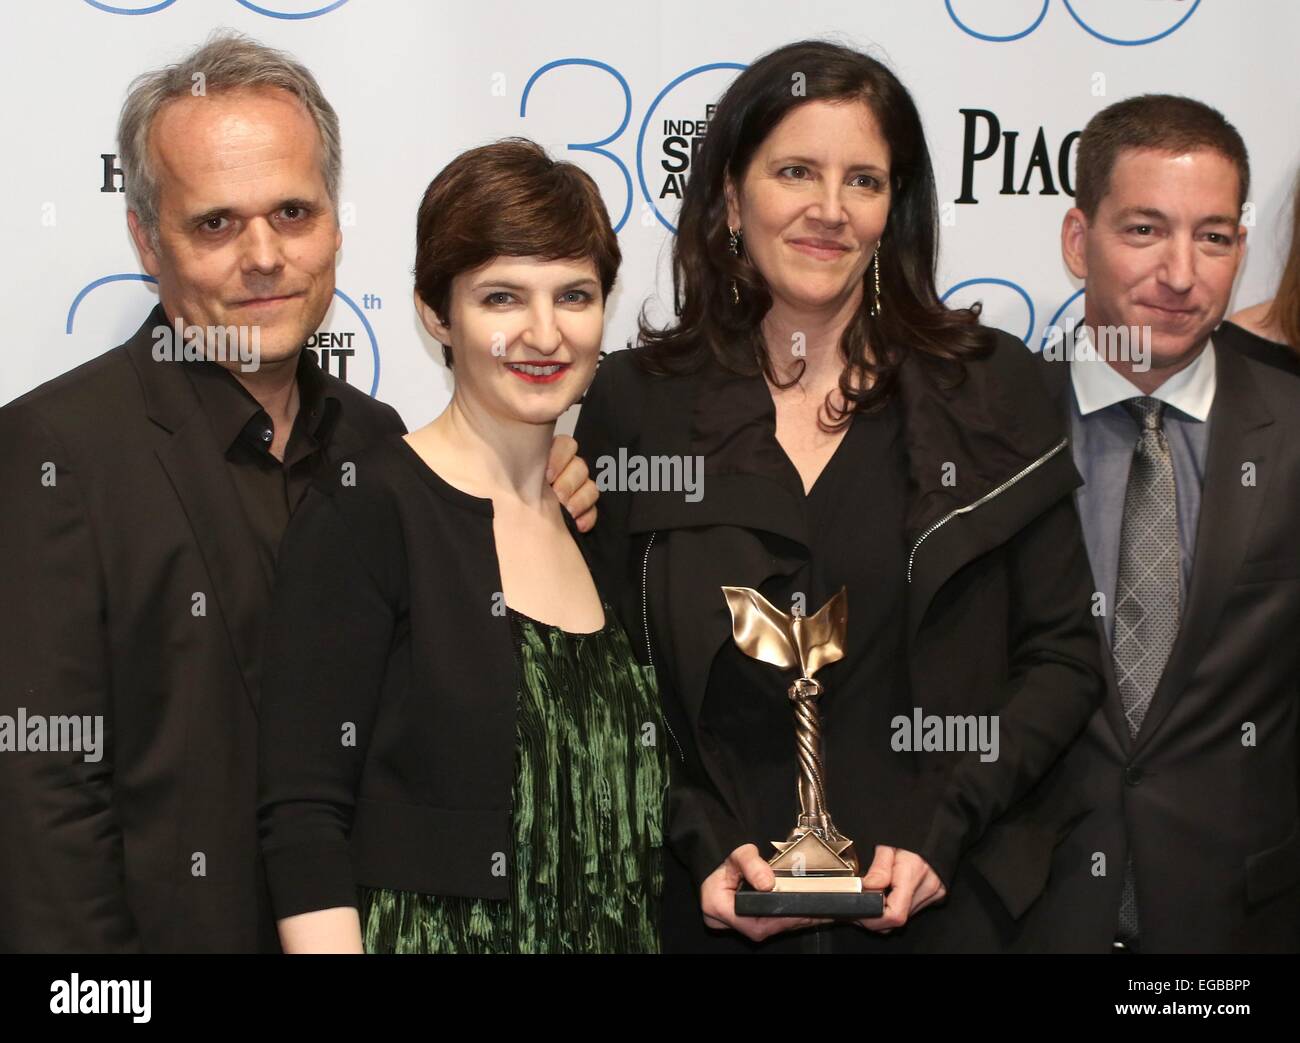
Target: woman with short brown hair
(459, 752)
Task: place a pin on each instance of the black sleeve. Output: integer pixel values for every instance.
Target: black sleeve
(62, 871)
(1055, 681)
(325, 658)
(702, 832)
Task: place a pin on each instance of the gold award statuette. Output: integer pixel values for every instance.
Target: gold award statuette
(817, 872)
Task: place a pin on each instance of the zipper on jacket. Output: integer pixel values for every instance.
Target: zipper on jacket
(983, 499)
(645, 623)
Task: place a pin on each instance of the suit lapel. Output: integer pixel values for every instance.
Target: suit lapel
(196, 467)
(1241, 431)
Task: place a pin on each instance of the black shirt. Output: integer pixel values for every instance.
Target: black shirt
(269, 489)
(855, 526)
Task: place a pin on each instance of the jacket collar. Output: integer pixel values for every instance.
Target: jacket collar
(727, 423)
(1241, 429)
(976, 443)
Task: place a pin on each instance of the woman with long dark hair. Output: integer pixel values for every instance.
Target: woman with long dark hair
(848, 431)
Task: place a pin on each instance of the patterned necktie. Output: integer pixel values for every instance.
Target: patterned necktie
(1147, 590)
(1146, 594)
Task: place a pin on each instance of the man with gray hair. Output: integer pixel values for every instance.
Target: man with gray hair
(142, 499)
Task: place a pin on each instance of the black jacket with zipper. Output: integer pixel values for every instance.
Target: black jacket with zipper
(998, 608)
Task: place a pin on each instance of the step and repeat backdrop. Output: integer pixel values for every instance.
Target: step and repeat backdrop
(624, 90)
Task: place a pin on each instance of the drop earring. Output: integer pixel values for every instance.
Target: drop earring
(875, 271)
(734, 241)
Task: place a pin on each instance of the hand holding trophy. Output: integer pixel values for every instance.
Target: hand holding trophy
(816, 867)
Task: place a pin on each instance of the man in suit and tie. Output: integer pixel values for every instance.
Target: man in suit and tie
(142, 499)
(1190, 452)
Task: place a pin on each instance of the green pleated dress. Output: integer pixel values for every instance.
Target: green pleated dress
(585, 864)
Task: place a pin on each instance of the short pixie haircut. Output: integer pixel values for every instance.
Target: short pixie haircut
(508, 199)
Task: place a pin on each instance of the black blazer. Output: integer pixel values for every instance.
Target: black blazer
(155, 847)
(388, 707)
(997, 606)
(1206, 797)
(1261, 349)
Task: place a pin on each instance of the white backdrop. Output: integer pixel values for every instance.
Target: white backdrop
(416, 81)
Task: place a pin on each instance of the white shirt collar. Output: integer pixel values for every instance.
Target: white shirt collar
(1097, 385)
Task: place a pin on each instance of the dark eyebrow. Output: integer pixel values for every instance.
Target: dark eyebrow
(1159, 215)
(804, 161)
(497, 284)
(1141, 211)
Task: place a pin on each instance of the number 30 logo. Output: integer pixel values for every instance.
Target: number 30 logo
(695, 100)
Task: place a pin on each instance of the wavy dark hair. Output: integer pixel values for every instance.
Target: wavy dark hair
(913, 319)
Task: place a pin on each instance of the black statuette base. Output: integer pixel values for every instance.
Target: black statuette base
(846, 905)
